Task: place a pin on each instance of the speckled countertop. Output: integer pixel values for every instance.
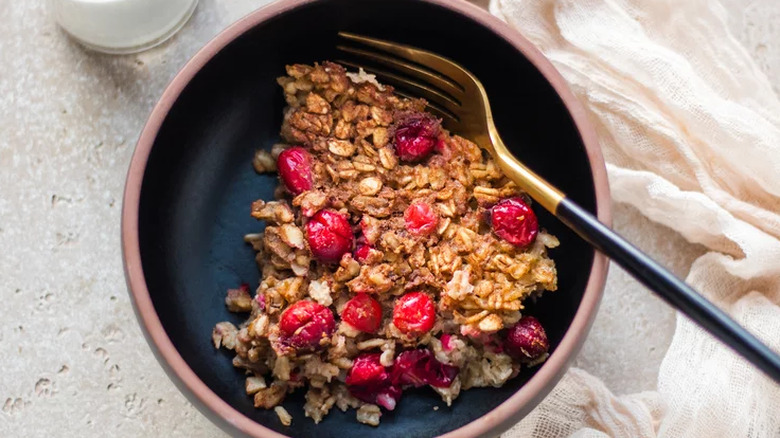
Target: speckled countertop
(73, 358)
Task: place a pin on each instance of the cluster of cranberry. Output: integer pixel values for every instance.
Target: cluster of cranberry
(329, 234)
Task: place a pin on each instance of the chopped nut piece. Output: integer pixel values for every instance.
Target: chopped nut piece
(292, 236)
(361, 76)
(273, 211)
(320, 292)
(254, 384)
(224, 333)
(283, 415)
(369, 414)
(370, 186)
(259, 326)
(264, 162)
(267, 398)
(491, 323)
(238, 300)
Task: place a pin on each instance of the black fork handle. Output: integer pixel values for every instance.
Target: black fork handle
(673, 290)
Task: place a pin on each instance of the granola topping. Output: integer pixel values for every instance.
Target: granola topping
(394, 255)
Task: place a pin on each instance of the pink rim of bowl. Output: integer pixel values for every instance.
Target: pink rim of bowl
(492, 423)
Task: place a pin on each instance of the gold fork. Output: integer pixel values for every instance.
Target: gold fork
(456, 95)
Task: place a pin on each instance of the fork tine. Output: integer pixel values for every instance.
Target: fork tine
(434, 62)
(447, 116)
(432, 95)
(422, 74)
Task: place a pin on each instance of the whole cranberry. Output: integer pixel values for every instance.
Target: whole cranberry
(367, 370)
(416, 137)
(363, 313)
(420, 367)
(361, 252)
(305, 324)
(526, 340)
(329, 235)
(294, 166)
(420, 219)
(514, 221)
(368, 380)
(414, 313)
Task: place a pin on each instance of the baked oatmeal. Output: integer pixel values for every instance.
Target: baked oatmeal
(395, 255)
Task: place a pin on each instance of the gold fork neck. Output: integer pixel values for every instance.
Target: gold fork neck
(537, 188)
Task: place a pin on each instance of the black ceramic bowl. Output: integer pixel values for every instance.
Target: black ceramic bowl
(191, 182)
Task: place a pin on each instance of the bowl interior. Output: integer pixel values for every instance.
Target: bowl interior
(199, 183)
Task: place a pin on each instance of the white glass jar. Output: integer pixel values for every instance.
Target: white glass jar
(122, 26)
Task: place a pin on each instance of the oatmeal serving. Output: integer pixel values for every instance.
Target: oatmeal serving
(395, 255)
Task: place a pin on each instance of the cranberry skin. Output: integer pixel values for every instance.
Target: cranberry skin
(361, 252)
(329, 235)
(416, 138)
(368, 380)
(414, 313)
(363, 313)
(446, 340)
(420, 367)
(420, 219)
(526, 340)
(294, 166)
(514, 221)
(305, 324)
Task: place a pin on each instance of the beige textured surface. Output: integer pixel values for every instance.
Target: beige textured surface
(74, 361)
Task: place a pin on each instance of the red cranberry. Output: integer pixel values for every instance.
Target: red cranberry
(419, 367)
(370, 381)
(367, 370)
(414, 313)
(514, 221)
(363, 312)
(329, 235)
(361, 252)
(305, 324)
(420, 219)
(446, 342)
(526, 340)
(416, 137)
(294, 166)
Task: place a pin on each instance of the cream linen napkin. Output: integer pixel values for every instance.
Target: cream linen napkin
(690, 129)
